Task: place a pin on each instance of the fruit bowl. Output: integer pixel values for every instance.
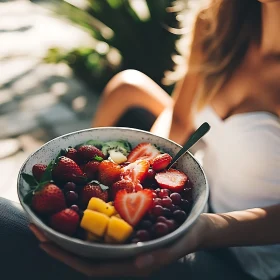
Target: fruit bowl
(196, 182)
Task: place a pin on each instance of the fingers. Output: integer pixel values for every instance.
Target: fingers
(166, 255)
(39, 234)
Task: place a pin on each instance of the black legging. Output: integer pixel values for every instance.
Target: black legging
(21, 257)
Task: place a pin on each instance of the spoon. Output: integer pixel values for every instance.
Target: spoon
(199, 133)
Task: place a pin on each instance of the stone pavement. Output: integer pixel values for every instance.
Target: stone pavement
(37, 101)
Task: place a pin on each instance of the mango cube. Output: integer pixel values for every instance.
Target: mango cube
(118, 229)
(97, 204)
(94, 222)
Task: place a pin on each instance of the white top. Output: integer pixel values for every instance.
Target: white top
(241, 158)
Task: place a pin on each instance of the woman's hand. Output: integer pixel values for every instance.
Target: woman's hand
(142, 265)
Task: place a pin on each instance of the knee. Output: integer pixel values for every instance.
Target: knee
(126, 80)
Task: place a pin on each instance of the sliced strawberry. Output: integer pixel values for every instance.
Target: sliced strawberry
(38, 171)
(136, 171)
(161, 161)
(48, 200)
(65, 221)
(133, 206)
(171, 179)
(143, 151)
(108, 172)
(123, 184)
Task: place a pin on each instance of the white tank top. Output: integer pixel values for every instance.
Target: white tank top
(241, 158)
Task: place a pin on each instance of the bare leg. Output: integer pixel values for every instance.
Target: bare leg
(126, 90)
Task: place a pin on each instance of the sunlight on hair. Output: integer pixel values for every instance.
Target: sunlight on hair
(141, 9)
(102, 47)
(114, 57)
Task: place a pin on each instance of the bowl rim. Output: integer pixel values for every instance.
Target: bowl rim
(173, 235)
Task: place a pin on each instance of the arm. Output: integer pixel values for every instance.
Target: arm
(128, 89)
(258, 226)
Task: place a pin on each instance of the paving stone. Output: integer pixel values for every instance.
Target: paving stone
(13, 69)
(16, 123)
(64, 128)
(9, 147)
(38, 102)
(56, 114)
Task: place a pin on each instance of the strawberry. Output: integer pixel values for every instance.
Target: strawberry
(122, 185)
(108, 172)
(89, 152)
(93, 189)
(143, 151)
(38, 171)
(171, 179)
(48, 200)
(133, 206)
(136, 171)
(91, 169)
(65, 221)
(67, 170)
(72, 153)
(161, 161)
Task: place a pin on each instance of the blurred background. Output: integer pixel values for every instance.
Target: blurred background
(56, 57)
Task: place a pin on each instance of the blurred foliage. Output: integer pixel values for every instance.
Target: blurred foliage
(128, 34)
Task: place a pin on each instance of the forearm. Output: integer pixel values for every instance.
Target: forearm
(258, 226)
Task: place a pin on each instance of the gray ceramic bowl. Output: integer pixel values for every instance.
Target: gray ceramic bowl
(187, 164)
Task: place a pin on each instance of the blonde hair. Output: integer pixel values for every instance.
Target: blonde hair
(229, 27)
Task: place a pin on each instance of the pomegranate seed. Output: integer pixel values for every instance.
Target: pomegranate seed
(158, 210)
(166, 202)
(75, 208)
(143, 235)
(166, 213)
(157, 201)
(160, 229)
(176, 198)
(70, 186)
(163, 193)
(161, 219)
(171, 224)
(145, 224)
(179, 216)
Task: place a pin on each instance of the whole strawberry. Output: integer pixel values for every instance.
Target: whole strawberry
(89, 152)
(123, 184)
(38, 171)
(93, 189)
(91, 169)
(108, 172)
(50, 199)
(72, 153)
(65, 221)
(67, 170)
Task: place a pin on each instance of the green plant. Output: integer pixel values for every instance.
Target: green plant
(128, 34)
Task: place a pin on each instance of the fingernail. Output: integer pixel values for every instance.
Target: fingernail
(144, 261)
